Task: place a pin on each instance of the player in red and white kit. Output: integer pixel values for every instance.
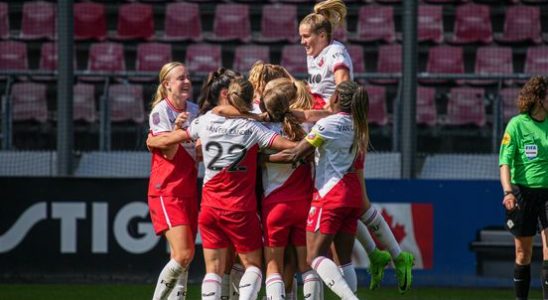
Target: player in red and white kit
(228, 215)
(172, 193)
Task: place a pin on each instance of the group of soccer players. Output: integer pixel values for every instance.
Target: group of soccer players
(309, 151)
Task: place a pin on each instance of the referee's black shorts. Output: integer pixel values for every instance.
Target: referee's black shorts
(532, 214)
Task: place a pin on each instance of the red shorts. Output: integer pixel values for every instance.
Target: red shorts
(332, 220)
(284, 223)
(167, 212)
(221, 228)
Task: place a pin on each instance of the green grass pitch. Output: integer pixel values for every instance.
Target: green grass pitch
(141, 291)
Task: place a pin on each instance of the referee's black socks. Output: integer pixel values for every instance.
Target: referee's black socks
(522, 280)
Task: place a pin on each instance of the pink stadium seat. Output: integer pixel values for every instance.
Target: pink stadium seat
(341, 33)
(48, 60)
(356, 53)
(39, 20)
(509, 97)
(389, 61)
(377, 105)
(126, 103)
(135, 21)
(203, 57)
(430, 23)
(426, 106)
(279, 23)
(493, 60)
(84, 103)
(444, 59)
(13, 55)
(4, 21)
(29, 102)
(105, 57)
(294, 59)
(376, 23)
(90, 21)
(522, 23)
(472, 24)
(182, 22)
(465, 106)
(445, 1)
(231, 22)
(245, 56)
(536, 60)
(150, 58)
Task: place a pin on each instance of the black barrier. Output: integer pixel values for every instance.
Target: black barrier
(75, 229)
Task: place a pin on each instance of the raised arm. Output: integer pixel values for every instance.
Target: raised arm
(230, 111)
(309, 115)
(292, 155)
(167, 140)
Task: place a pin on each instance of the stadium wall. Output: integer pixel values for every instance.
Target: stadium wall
(85, 229)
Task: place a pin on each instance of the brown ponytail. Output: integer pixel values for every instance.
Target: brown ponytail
(354, 100)
(240, 95)
(277, 95)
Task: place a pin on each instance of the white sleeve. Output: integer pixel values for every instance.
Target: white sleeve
(194, 129)
(338, 59)
(159, 121)
(264, 136)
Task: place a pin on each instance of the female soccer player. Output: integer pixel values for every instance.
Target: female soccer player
(329, 64)
(172, 195)
(228, 214)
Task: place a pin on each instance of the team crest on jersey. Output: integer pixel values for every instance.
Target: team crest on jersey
(320, 64)
(506, 139)
(311, 136)
(156, 118)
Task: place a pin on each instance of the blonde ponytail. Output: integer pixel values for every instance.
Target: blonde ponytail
(327, 16)
(303, 99)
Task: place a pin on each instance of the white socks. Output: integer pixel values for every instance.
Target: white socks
(330, 274)
(211, 287)
(250, 283)
(349, 274)
(236, 274)
(312, 286)
(167, 279)
(179, 291)
(363, 235)
(377, 224)
(275, 289)
(225, 287)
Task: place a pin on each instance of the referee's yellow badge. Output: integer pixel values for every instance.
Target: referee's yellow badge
(506, 139)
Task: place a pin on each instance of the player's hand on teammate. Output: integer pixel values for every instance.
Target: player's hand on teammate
(510, 202)
(181, 119)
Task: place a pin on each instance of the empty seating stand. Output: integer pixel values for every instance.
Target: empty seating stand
(4, 21)
(472, 24)
(182, 22)
(246, 55)
(150, 58)
(430, 24)
(232, 23)
(376, 23)
(466, 106)
(90, 21)
(105, 57)
(29, 102)
(522, 23)
(294, 59)
(278, 23)
(203, 57)
(135, 21)
(38, 20)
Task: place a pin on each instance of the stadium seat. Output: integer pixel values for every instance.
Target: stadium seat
(294, 59)
(135, 21)
(245, 56)
(472, 24)
(445, 1)
(231, 23)
(182, 22)
(341, 33)
(90, 21)
(84, 103)
(534, 2)
(377, 105)
(48, 60)
(13, 55)
(426, 106)
(126, 103)
(376, 23)
(105, 57)
(389, 61)
(29, 102)
(493, 60)
(522, 23)
(278, 23)
(430, 23)
(203, 57)
(536, 60)
(444, 59)
(150, 58)
(465, 106)
(509, 97)
(356, 53)
(38, 21)
(4, 21)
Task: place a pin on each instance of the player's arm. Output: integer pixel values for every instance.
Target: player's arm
(292, 155)
(309, 115)
(341, 74)
(230, 111)
(167, 140)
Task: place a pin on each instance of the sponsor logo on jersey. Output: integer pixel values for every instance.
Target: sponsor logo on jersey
(321, 62)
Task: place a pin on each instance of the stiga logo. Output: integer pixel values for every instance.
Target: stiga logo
(69, 215)
(531, 151)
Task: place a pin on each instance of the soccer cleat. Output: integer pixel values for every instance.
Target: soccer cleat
(377, 262)
(403, 265)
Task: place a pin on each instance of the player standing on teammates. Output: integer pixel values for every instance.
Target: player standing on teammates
(228, 215)
(328, 65)
(523, 165)
(172, 193)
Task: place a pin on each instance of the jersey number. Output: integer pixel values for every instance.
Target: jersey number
(219, 148)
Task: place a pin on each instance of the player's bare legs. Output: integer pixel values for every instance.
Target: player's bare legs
(172, 280)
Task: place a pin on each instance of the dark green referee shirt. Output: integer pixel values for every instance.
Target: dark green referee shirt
(524, 148)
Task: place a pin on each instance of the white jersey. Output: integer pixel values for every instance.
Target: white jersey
(162, 119)
(333, 137)
(230, 148)
(321, 69)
